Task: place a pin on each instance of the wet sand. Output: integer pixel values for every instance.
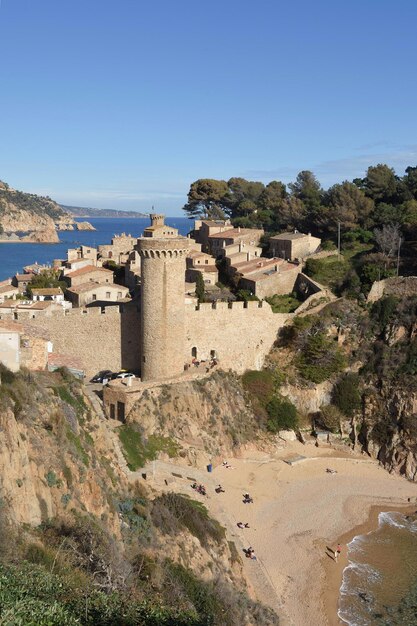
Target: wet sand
(298, 513)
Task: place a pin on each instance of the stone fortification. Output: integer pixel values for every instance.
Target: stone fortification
(399, 286)
(162, 306)
(101, 340)
(238, 334)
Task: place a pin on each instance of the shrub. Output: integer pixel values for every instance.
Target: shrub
(330, 417)
(259, 384)
(282, 415)
(189, 513)
(321, 358)
(346, 395)
(51, 479)
(383, 310)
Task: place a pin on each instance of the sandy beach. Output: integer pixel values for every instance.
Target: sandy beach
(299, 513)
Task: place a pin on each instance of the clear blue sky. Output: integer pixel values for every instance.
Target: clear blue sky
(123, 104)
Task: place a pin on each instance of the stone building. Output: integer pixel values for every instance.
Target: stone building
(7, 290)
(266, 277)
(293, 246)
(86, 253)
(201, 263)
(204, 228)
(158, 228)
(48, 293)
(21, 281)
(96, 294)
(87, 274)
(118, 250)
(218, 241)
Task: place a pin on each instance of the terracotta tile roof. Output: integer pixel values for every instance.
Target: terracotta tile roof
(64, 360)
(8, 288)
(235, 232)
(87, 270)
(48, 291)
(24, 276)
(92, 285)
(289, 236)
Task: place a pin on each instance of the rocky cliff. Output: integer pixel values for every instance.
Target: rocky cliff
(107, 551)
(28, 213)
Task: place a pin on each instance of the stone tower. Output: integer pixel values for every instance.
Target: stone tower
(162, 306)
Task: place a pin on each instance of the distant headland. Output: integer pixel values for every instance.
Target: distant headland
(79, 211)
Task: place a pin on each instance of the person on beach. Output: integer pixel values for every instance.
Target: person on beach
(243, 525)
(337, 552)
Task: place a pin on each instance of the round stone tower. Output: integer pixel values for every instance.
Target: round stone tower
(162, 306)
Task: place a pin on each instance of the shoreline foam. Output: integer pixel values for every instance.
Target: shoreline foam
(334, 577)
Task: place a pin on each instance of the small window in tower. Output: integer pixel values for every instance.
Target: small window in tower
(194, 352)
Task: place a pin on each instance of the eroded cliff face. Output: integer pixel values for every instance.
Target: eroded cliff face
(50, 451)
(387, 428)
(209, 417)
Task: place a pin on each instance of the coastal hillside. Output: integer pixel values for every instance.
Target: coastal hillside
(24, 212)
(91, 546)
(79, 211)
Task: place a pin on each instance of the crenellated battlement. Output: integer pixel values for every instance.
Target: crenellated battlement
(91, 312)
(161, 254)
(234, 306)
(159, 248)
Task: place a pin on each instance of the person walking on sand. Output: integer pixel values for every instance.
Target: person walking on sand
(337, 552)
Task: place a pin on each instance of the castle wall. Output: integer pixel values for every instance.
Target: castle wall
(240, 334)
(108, 340)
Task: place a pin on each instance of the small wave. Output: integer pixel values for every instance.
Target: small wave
(398, 520)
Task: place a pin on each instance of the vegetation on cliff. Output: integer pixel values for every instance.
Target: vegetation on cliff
(81, 545)
(13, 200)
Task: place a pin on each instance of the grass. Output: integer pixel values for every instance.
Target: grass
(332, 270)
(74, 439)
(287, 303)
(329, 271)
(73, 399)
(138, 452)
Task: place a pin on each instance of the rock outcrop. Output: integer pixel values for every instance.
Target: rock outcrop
(25, 214)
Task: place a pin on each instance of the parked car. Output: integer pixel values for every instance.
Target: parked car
(102, 377)
(125, 375)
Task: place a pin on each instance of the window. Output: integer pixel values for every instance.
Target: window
(119, 295)
(194, 352)
(108, 295)
(94, 296)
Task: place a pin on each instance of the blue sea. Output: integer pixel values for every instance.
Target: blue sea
(14, 256)
(380, 583)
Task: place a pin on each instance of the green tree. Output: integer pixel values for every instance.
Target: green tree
(380, 183)
(410, 180)
(207, 198)
(346, 394)
(308, 189)
(199, 287)
(243, 196)
(347, 204)
(44, 280)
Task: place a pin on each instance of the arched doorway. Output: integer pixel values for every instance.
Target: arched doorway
(194, 352)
